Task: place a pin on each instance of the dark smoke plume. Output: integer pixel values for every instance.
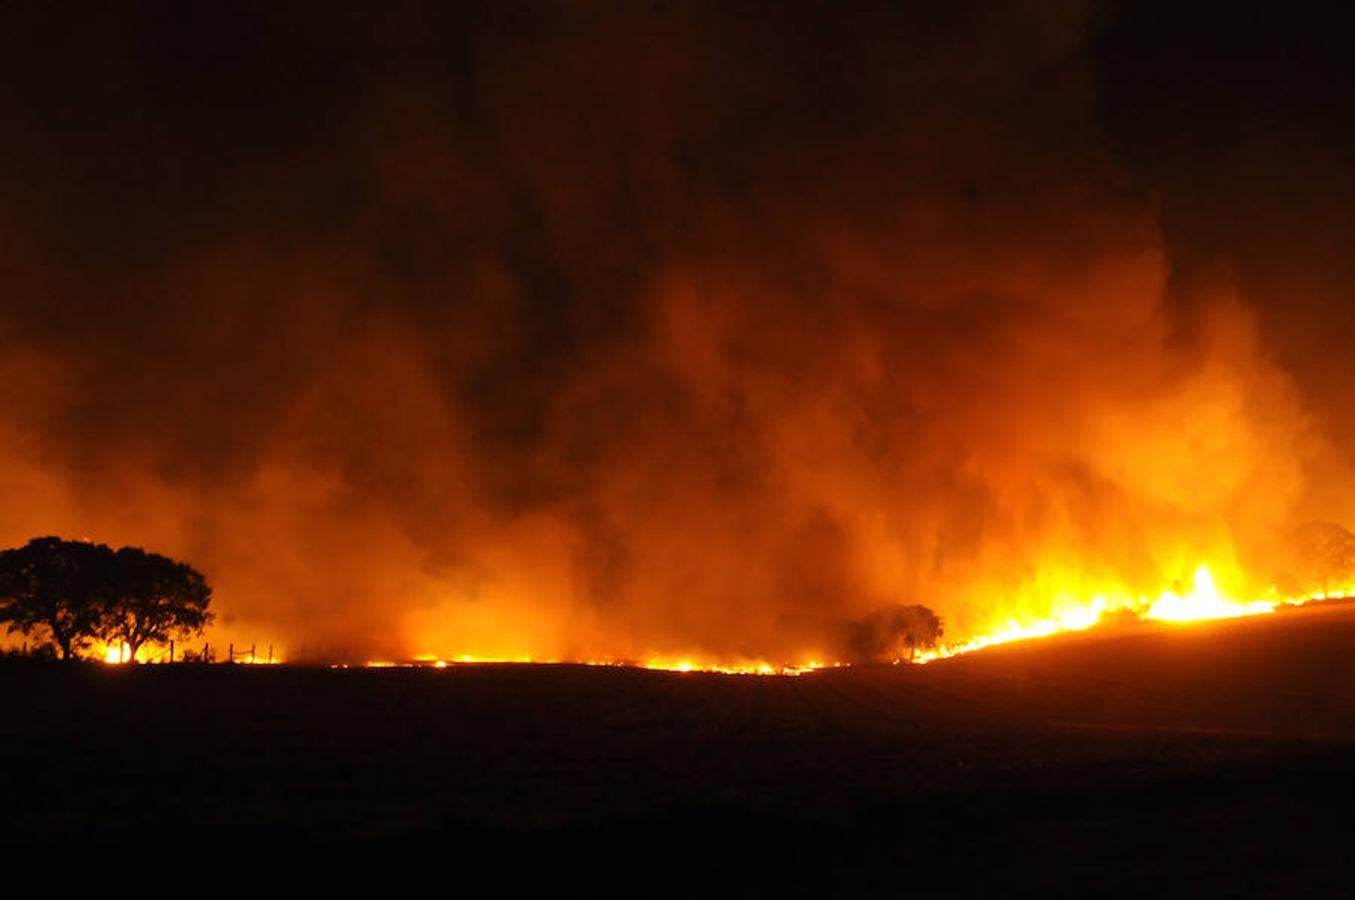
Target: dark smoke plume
(611, 331)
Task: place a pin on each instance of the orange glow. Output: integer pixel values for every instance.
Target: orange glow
(746, 667)
(1204, 599)
(1201, 602)
(1075, 465)
(666, 399)
(119, 654)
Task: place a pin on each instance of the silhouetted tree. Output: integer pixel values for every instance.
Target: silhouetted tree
(152, 599)
(55, 586)
(894, 633)
(1324, 556)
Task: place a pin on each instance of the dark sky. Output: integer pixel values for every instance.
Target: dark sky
(1237, 116)
(627, 328)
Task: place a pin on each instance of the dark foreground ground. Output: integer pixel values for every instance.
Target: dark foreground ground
(1209, 760)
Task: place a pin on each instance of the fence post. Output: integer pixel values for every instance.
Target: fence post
(171, 650)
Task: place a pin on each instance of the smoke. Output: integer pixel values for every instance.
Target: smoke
(612, 332)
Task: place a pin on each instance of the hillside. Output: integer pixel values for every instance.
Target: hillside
(1126, 759)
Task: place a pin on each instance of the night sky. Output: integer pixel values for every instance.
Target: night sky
(599, 330)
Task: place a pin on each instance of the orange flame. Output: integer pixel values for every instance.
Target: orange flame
(1203, 600)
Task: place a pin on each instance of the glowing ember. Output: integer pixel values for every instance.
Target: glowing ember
(657, 664)
(685, 665)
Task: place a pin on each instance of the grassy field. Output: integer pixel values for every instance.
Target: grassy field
(1208, 760)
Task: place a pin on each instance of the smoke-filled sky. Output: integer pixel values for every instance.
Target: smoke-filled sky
(606, 330)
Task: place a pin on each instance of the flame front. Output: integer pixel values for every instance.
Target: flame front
(1202, 600)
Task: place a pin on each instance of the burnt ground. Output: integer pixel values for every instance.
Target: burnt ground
(1215, 759)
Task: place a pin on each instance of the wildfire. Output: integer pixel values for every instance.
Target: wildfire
(1202, 600)
(120, 654)
(657, 664)
(742, 668)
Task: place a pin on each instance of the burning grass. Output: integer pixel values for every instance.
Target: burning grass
(1203, 600)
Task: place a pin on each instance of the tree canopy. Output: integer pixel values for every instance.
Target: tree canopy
(1325, 557)
(76, 592)
(152, 599)
(894, 633)
(55, 586)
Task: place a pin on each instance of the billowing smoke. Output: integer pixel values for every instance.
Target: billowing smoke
(610, 332)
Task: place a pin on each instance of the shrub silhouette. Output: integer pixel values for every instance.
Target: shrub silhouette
(893, 634)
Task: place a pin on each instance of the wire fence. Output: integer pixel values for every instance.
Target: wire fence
(171, 652)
